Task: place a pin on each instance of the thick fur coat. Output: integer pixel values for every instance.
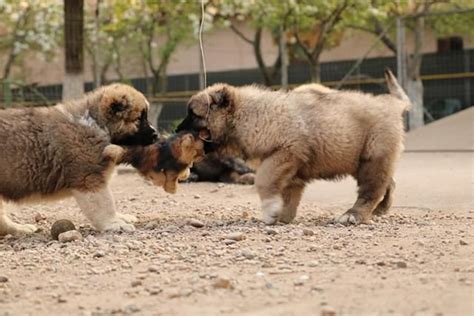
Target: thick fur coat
(54, 152)
(305, 134)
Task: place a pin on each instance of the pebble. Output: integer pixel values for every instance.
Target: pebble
(3, 279)
(195, 223)
(301, 280)
(61, 226)
(131, 308)
(154, 289)
(39, 217)
(462, 242)
(222, 283)
(180, 293)
(248, 254)
(69, 236)
(197, 196)
(229, 241)
(270, 231)
(237, 236)
(99, 254)
(153, 269)
(401, 264)
(136, 283)
(328, 311)
(307, 232)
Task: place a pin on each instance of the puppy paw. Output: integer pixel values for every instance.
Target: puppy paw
(248, 178)
(19, 229)
(117, 225)
(287, 217)
(351, 217)
(271, 209)
(127, 218)
(113, 152)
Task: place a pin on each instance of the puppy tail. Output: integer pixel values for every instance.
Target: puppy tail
(396, 90)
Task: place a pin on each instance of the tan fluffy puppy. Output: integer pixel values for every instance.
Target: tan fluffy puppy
(164, 163)
(55, 152)
(305, 134)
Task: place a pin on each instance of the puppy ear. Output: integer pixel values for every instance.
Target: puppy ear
(187, 141)
(117, 106)
(221, 98)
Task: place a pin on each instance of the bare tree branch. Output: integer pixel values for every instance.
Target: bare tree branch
(240, 34)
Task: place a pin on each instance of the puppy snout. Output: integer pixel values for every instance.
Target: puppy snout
(154, 134)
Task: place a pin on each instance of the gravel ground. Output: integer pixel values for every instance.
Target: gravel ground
(203, 251)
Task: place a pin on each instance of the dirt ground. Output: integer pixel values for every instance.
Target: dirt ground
(419, 260)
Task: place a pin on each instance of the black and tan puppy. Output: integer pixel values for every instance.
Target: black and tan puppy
(305, 134)
(165, 162)
(55, 152)
(218, 168)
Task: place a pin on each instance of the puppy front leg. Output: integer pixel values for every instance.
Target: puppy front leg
(99, 208)
(114, 153)
(7, 226)
(171, 182)
(272, 177)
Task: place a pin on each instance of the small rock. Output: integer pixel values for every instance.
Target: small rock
(462, 242)
(401, 264)
(39, 217)
(328, 311)
(136, 283)
(229, 241)
(222, 283)
(69, 236)
(381, 263)
(195, 223)
(153, 269)
(180, 293)
(248, 254)
(307, 232)
(171, 229)
(155, 289)
(99, 254)
(61, 226)
(270, 231)
(131, 308)
(197, 196)
(301, 280)
(3, 279)
(61, 299)
(237, 236)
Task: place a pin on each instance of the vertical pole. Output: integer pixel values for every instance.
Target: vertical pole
(96, 45)
(467, 81)
(401, 60)
(284, 59)
(201, 71)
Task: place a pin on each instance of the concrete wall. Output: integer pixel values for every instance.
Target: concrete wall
(224, 51)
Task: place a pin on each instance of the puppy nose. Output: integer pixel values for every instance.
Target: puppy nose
(155, 135)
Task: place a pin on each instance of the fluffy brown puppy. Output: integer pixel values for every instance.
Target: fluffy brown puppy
(164, 163)
(303, 135)
(55, 152)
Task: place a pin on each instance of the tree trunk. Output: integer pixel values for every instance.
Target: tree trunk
(415, 93)
(315, 71)
(414, 85)
(73, 86)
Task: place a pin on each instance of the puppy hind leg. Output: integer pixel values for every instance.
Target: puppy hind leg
(272, 176)
(387, 201)
(373, 178)
(99, 208)
(291, 199)
(7, 226)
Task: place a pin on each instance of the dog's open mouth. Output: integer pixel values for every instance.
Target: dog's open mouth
(205, 135)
